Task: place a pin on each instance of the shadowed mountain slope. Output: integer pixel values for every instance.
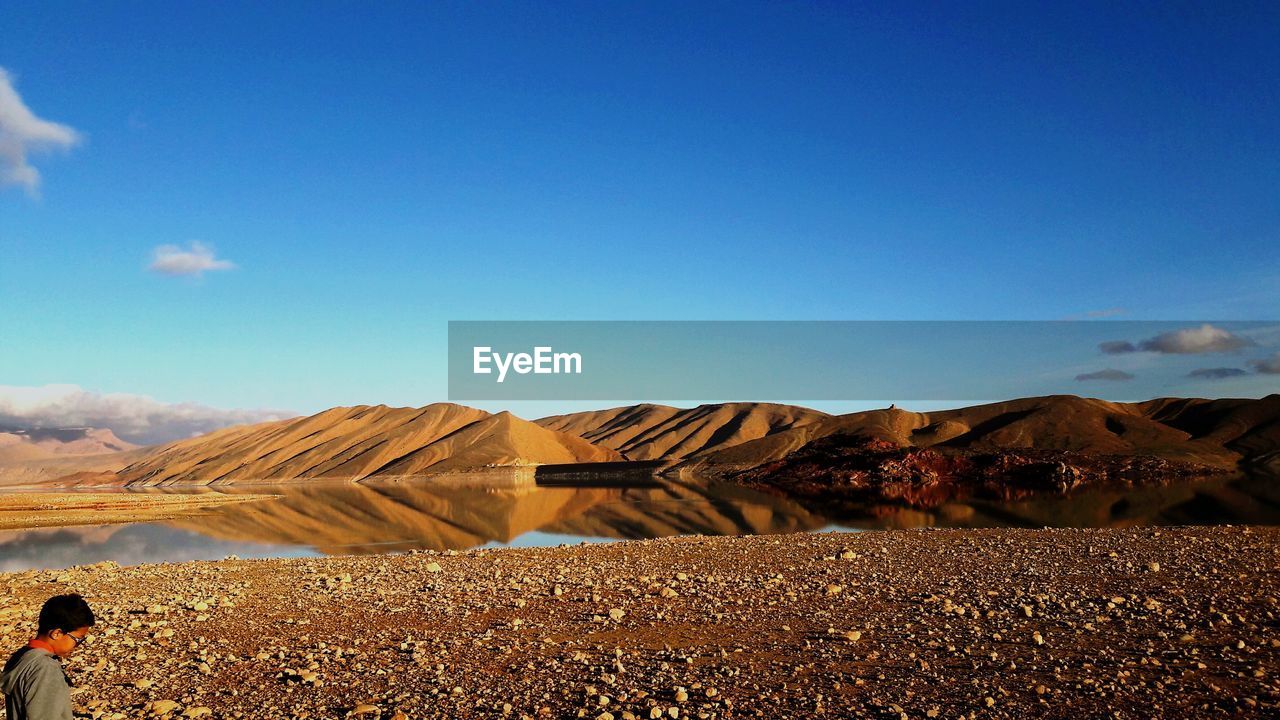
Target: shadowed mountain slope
(352, 443)
(661, 432)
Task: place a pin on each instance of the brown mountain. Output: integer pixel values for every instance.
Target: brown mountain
(661, 432)
(352, 443)
(34, 456)
(55, 469)
(17, 445)
(1215, 433)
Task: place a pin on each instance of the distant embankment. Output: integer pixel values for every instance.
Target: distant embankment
(632, 473)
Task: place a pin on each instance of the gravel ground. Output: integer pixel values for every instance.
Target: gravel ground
(1152, 622)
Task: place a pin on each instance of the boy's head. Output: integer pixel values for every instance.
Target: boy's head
(65, 621)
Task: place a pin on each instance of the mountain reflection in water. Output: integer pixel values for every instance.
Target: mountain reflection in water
(512, 507)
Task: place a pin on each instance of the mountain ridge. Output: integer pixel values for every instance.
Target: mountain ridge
(662, 432)
(1222, 433)
(358, 442)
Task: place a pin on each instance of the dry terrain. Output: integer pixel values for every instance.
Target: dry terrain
(1172, 622)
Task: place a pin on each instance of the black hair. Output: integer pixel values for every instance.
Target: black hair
(65, 613)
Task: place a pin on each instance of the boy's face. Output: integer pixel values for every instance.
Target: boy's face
(65, 643)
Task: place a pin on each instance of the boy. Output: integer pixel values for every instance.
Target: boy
(34, 685)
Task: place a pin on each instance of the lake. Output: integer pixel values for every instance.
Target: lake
(521, 508)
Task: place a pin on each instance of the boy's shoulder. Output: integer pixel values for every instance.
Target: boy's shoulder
(29, 659)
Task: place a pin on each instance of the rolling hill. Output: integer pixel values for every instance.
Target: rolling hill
(1216, 433)
(661, 432)
(354, 443)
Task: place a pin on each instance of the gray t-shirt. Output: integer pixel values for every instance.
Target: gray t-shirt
(35, 687)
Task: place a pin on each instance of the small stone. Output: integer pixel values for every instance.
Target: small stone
(162, 707)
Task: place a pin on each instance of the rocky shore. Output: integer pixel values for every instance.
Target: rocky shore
(1153, 622)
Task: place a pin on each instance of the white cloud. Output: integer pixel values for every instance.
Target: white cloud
(195, 260)
(1188, 341)
(22, 133)
(136, 418)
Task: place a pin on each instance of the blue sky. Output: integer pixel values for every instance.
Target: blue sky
(373, 172)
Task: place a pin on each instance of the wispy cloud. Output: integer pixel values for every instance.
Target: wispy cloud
(1110, 374)
(1097, 314)
(1117, 347)
(21, 134)
(195, 260)
(1188, 341)
(1267, 366)
(136, 418)
(1220, 373)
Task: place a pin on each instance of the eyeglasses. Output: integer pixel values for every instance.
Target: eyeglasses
(78, 640)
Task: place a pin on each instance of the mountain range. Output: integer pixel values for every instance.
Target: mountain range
(1219, 434)
(361, 442)
(19, 444)
(662, 432)
(716, 440)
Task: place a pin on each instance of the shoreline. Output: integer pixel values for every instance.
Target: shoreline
(28, 509)
(930, 623)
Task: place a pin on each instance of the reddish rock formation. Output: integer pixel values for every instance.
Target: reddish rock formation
(860, 468)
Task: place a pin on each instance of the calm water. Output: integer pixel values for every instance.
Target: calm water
(514, 509)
